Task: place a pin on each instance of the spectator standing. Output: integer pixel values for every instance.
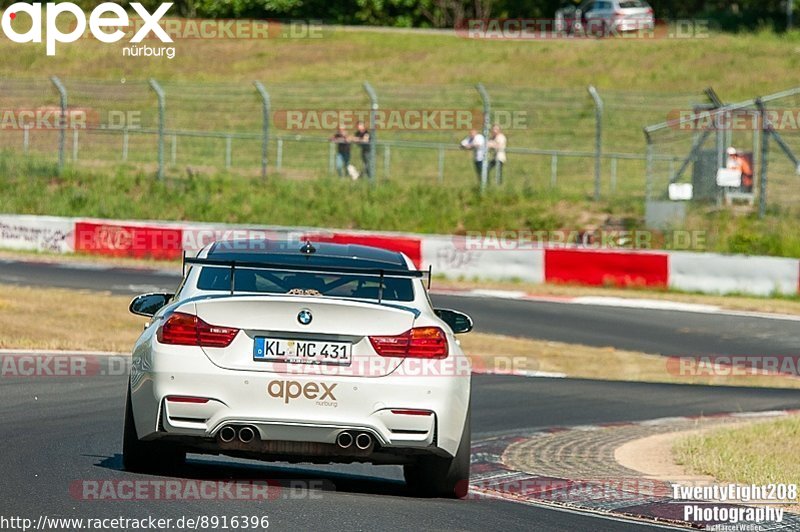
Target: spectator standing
(362, 138)
(342, 151)
(497, 143)
(476, 142)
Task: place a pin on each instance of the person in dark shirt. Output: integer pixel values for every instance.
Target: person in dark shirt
(342, 151)
(362, 138)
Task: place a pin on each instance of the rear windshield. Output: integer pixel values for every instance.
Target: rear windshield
(276, 282)
(628, 4)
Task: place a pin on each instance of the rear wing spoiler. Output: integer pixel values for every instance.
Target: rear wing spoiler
(380, 273)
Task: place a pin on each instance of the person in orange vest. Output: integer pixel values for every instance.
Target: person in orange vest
(740, 161)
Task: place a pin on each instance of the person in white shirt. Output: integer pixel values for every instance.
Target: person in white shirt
(477, 143)
(497, 143)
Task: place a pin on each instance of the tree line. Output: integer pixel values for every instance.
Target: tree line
(723, 14)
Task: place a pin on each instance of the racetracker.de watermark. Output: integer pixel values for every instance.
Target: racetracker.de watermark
(409, 367)
(184, 490)
(14, 365)
(562, 490)
(734, 365)
(74, 118)
(179, 29)
(428, 119)
(525, 29)
(783, 119)
(596, 239)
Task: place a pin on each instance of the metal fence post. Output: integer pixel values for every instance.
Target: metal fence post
(487, 117)
(373, 134)
(74, 144)
(765, 134)
(62, 121)
(265, 107)
(279, 155)
(598, 140)
(648, 167)
(553, 170)
(441, 164)
(387, 160)
(161, 124)
(613, 175)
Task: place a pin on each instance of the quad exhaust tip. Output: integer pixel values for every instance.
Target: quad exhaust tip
(246, 435)
(227, 434)
(363, 441)
(344, 440)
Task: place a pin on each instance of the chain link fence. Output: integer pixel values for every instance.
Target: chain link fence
(555, 137)
(692, 146)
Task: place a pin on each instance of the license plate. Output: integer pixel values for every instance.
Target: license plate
(302, 351)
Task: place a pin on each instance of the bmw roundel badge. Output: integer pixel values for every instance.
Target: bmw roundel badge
(304, 316)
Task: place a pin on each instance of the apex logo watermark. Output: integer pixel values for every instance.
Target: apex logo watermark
(102, 20)
(288, 390)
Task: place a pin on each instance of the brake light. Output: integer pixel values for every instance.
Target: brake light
(187, 399)
(411, 412)
(419, 342)
(186, 329)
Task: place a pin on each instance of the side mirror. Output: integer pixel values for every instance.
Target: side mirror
(148, 304)
(458, 321)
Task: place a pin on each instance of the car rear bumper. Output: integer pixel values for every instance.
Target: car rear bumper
(400, 412)
(633, 24)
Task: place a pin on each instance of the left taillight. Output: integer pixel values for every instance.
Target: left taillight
(419, 342)
(187, 329)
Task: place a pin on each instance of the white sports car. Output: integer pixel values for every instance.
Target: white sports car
(299, 352)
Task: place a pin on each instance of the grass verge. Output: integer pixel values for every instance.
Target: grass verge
(761, 453)
(327, 202)
(394, 205)
(50, 318)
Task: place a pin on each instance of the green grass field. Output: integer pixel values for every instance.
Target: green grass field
(744, 455)
(209, 87)
(738, 66)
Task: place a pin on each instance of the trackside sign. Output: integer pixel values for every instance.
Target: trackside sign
(105, 23)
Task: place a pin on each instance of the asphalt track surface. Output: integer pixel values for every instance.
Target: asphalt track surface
(59, 431)
(664, 332)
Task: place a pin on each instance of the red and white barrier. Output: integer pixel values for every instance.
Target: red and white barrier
(128, 239)
(612, 268)
(37, 233)
(726, 274)
(447, 255)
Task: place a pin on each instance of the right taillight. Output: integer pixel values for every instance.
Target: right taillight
(419, 342)
(187, 329)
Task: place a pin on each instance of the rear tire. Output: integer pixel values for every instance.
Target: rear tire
(146, 456)
(434, 476)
